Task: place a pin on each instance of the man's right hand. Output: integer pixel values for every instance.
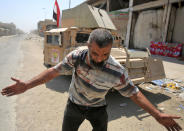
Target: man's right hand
(17, 88)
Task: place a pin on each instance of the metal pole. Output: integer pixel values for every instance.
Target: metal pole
(69, 3)
(44, 11)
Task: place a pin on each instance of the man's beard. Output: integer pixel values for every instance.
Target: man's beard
(97, 65)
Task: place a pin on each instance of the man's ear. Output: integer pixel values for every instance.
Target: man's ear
(89, 45)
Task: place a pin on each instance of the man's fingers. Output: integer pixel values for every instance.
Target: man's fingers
(14, 79)
(7, 91)
(168, 128)
(10, 88)
(178, 127)
(3, 93)
(174, 117)
(172, 128)
(11, 94)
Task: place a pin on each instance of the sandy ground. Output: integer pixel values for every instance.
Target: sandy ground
(174, 68)
(42, 108)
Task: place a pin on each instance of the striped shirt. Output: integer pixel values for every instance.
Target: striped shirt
(90, 85)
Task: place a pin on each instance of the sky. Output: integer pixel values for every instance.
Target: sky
(26, 13)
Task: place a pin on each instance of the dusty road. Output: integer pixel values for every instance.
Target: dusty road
(10, 56)
(42, 108)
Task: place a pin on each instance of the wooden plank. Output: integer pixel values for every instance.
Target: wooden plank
(122, 60)
(155, 69)
(121, 4)
(167, 22)
(134, 20)
(138, 80)
(171, 24)
(165, 14)
(108, 6)
(164, 21)
(134, 71)
(134, 76)
(153, 4)
(127, 40)
(119, 57)
(135, 64)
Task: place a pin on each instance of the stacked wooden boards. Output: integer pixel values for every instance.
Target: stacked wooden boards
(140, 65)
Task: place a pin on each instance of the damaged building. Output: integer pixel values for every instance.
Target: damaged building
(46, 25)
(7, 29)
(141, 21)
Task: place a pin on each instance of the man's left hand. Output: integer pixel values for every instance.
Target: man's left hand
(169, 122)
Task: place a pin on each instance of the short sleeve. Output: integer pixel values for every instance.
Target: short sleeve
(126, 87)
(68, 62)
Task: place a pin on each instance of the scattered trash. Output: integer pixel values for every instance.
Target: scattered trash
(182, 88)
(161, 108)
(158, 82)
(148, 88)
(168, 90)
(175, 87)
(181, 106)
(168, 83)
(179, 81)
(171, 85)
(123, 104)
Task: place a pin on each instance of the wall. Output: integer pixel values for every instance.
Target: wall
(178, 33)
(120, 20)
(148, 28)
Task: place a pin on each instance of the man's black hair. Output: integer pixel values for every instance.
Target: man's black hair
(101, 37)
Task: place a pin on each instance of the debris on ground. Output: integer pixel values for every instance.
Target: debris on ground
(34, 38)
(181, 96)
(148, 88)
(171, 86)
(158, 82)
(181, 107)
(161, 108)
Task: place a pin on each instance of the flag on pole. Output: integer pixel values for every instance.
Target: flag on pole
(56, 13)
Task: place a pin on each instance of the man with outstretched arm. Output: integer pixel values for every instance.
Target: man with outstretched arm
(95, 72)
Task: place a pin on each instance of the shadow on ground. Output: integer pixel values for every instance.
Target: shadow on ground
(169, 59)
(115, 111)
(114, 99)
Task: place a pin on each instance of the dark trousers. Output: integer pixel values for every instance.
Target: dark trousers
(75, 114)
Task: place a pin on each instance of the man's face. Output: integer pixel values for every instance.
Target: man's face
(97, 55)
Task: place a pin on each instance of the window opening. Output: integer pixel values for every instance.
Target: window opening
(82, 37)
